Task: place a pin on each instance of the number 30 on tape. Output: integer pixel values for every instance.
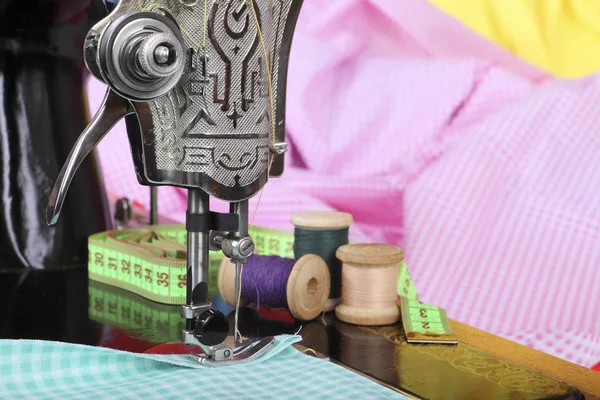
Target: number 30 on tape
(163, 281)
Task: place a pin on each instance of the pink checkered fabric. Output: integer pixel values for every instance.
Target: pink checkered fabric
(485, 172)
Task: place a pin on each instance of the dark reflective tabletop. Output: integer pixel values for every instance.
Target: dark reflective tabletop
(64, 306)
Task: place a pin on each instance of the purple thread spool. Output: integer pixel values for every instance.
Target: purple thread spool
(264, 280)
(301, 286)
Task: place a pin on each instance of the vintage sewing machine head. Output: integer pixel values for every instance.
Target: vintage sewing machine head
(196, 74)
(202, 86)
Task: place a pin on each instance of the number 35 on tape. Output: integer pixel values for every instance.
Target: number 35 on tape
(424, 323)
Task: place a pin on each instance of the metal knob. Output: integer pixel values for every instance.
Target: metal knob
(160, 55)
(211, 328)
(141, 55)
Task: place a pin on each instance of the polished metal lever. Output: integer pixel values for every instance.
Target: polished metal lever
(113, 109)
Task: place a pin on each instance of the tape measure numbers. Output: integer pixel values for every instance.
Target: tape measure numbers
(406, 287)
(151, 262)
(424, 323)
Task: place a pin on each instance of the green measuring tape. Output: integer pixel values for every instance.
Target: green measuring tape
(151, 262)
(423, 323)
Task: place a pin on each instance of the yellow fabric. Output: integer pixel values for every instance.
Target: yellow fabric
(559, 36)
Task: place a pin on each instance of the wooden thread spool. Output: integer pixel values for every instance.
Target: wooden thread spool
(321, 233)
(306, 289)
(369, 284)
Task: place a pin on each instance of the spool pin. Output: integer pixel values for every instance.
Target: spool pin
(306, 290)
(325, 221)
(369, 281)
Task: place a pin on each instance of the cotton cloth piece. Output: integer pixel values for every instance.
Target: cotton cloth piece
(484, 169)
(52, 370)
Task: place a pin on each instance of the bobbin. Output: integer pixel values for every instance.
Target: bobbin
(325, 221)
(306, 290)
(360, 261)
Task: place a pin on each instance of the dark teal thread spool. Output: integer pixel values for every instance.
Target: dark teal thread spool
(322, 233)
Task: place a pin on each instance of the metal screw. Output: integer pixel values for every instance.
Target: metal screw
(161, 54)
(227, 353)
(218, 239)
(246, 247)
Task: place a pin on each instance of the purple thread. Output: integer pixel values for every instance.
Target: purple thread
(264, 280)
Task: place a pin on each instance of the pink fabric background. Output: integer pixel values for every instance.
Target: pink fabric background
(484, 169)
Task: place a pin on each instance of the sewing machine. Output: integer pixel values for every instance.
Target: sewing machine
(166, 74)
(201, 85)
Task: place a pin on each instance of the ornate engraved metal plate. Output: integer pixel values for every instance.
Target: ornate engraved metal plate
(214, 129)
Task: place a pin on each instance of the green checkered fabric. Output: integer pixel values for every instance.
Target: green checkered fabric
(38, 370)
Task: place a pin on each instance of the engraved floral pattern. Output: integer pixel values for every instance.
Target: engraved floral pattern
(472, 361)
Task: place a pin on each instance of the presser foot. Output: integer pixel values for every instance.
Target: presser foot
(209, 331)
(206, 327)
(222, 355)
